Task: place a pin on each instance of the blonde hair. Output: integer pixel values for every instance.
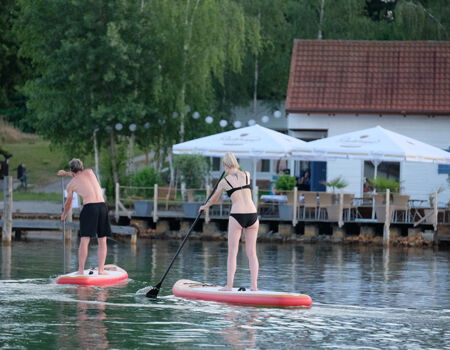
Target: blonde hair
(230, 160)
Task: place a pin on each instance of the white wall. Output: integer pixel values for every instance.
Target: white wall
(417, 179)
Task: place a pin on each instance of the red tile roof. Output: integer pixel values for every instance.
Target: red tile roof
(337, 76)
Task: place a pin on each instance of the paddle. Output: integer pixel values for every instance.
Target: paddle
(64, 226)
(153, 293)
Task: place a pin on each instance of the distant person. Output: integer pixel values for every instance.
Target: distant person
(22, 175)
(4, 168)
(94, 220)
(304, 182)
(243, 218)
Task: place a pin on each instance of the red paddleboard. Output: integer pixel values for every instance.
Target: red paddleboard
(91, 277)
(202, 291)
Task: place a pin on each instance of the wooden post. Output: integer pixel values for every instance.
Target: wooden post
(294, 207)
(435, 210)
(387, 220)
(208, 192)
(117, 197)
(341, 210)
(155, 203)
(7, 209)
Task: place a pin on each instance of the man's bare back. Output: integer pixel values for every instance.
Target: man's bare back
(86, 185)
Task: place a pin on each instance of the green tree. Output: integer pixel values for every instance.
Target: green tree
(100, 63)
(13, 71)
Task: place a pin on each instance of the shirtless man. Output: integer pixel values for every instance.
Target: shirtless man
(94, 215)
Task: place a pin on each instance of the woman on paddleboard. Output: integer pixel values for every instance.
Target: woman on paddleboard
(243, 218)
(94, 220)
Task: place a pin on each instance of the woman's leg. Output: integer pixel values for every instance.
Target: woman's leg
(251, 234)
(234, 235)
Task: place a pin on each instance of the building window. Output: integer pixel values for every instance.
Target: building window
(389, 170)
(263, 166)
(215, 163)
(443, 169)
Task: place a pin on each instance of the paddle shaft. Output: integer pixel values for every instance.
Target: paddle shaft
(158, 286)
(64, 226)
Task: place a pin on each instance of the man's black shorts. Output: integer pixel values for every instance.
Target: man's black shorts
(94, 220)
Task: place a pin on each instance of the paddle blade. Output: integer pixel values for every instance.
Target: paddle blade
(153, 293)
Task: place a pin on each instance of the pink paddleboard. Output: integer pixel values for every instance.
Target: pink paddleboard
(202, 291)
(92, 278)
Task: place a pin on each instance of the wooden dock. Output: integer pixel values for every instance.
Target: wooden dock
(50, 225)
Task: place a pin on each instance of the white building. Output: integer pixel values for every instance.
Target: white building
(340, 86)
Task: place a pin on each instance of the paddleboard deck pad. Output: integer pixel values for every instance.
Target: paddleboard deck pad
(202, 291)
(114, 275)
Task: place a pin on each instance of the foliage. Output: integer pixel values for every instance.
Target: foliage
(145, 177)
(381, 184)
(285, 183)
(191, 169)
(431, 196)
(337, 183)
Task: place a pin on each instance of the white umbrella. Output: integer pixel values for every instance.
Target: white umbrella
(375, 144)
(255, 142)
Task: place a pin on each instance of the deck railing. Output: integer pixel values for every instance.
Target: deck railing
(292, 206)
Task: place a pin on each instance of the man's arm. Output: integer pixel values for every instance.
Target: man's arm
(67, 204)
(64, 173)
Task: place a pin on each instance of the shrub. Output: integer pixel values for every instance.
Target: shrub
(145, 177)
(191, 169)
(285, 183)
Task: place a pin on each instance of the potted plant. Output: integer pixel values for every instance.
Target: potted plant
(381, 184)
(336, 184)
(428, 212)
(285, 184)
(143, 198)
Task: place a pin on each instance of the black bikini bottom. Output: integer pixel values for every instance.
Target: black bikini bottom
(245, 220)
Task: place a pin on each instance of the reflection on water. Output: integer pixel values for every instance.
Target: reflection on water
(91, 329)
(6, 261)
(363, 297)
(241, 334)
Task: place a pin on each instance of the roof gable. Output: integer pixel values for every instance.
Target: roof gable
(401, 77)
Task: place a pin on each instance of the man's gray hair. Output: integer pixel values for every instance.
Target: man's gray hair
(76, 165)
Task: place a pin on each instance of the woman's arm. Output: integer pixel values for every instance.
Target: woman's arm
(214, 198)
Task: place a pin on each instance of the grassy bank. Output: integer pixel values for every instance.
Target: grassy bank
(35, 196)
(41, 161)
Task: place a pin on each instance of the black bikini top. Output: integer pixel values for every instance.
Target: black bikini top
(233, 189)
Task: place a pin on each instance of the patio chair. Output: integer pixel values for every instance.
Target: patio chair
(350, 210)
(309, 205)
(400, 208)
(325, 203)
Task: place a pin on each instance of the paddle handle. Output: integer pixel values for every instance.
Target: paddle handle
(158, 286)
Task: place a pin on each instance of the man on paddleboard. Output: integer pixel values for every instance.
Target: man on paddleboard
(94, 221)
(243, 218)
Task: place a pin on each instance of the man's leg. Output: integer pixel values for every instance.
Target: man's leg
(102, 251)
(82, 253)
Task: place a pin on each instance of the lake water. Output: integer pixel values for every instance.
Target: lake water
(363, 298)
